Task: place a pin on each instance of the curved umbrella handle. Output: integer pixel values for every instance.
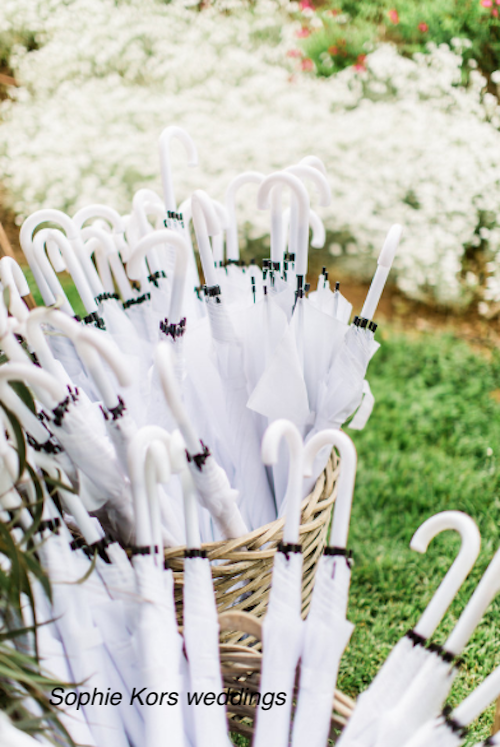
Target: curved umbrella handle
(462, 566)
(38, 340)
(315, 162)
(93, 348)
(12, 277)
(164, 363)
(26, 241)
(275, 433)
(303, 171)
(166, 170)
(36, 377)
(108, 261)
(118, 226)
(43, 241)
(248, 177)
(206, 223)
(139, 466)
(142, 199)
(384, 264)
(486, 590)
(172, 238)
(301, 240)
(316, 225)
(345, 487)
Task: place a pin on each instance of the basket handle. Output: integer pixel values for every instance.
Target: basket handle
(244, 621)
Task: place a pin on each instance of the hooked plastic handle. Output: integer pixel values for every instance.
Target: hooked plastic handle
(100, 211)
(345, 489)
(49, 269)
(178, 241)
(315, 223)
(248, 177)
(206, 223)
(92, 348)
(47, 215)
(166, 170)
(301, 240)
(303, 171)
(456, 575)
(315, 162)
(165, 366)
(486, 590)
(35, 376)
(477, 702)
(13, 278)
(73, 259)
(275, 433)
(108, 260)
(384, 264)
(38, 341)
(218, 240)
(136, 458)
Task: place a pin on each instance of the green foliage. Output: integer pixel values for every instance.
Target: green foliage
(351, 28)
(432, 445)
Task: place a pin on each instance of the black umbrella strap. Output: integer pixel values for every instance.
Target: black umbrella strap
(52, 524)
(416, 638)
(106, 297)
(173, 330)
(49, 447)
(275, 266)
(94, 319)
(195, 552)
(60, 410)
(373, 327)
(155, 276)
(144, 550)
(117, 412)
(136, 301)
(171, 215)
(78, 544)
(213, 291)
(286, 548)
(445, 655)
(455, 726)
(339, 551)
(100, 547)
(236, 262)
(201, 458)
(289, 257)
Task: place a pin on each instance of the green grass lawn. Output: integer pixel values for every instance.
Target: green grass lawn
(432, 444)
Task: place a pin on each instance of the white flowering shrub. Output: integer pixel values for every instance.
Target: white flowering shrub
(402, 140)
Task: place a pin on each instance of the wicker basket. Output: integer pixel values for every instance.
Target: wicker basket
(241, 671)
(242, 573)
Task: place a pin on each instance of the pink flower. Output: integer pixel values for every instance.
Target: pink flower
(306, 4)
(307, 64)
(303, 33)
(333, 12)
(494, 12)
(486, 3)
(360, 63)
(394, 15)
(423, 27)
(294, 53)
(333, 51)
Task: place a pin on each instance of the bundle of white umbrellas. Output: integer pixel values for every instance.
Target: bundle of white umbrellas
(110, 625)
(250, 345)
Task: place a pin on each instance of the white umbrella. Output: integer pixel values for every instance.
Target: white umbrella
(283, 625)
(250, 478)
(12, 277)
(161, 660)
(450, 729)
(410, 654)
(426, 694)
(327, 631)
(232, 244)
(211, 481)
